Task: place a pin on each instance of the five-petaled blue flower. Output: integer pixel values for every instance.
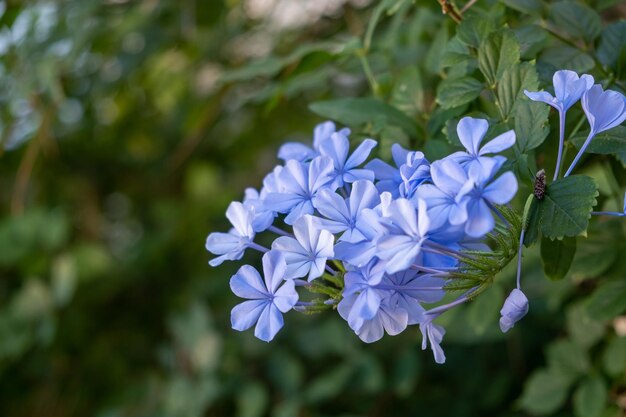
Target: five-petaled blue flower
(301, 152)
(342, 215)
(308, 252)
(337, 147)
(298, 184)
(267, 299)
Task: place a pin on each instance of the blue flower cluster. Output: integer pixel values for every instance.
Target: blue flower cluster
(379, 240)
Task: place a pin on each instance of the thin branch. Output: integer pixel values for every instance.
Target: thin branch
(448, 8)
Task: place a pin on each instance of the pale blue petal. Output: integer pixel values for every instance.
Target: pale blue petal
(480, 220)
(544, 97)
(244, 315)
(358, 174)
(471, 132)
(502, 189)
(274, 269)
(303, 208)
(360, 154)
(294, 150)
(247, 283)
(270, 322)
(286, 296)
(499, 143)
(241, 218)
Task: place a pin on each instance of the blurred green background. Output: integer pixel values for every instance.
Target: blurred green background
(128, 127)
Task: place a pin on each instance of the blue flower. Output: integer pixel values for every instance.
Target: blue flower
(361, 282)
(388, 178)
(359, 253)
(414, 172)
(232, 245)
(301, 152)
(604, 110)
(409, 288)
(483, 192)
(445, 196)
(568, 89)
(388, 318)
(263, 218)
(308, 252)
(342, 215)
(337, 148)
(299, 183)
(406, 226)
(515, 307)
(471, 133)
(266, 299)
(433, 334)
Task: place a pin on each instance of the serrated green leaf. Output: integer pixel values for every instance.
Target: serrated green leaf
(567, 205)
(557, 256)
(544, 392)
(614, 357)
(362, 111)
(531, 124)
(577, 19)
(611, 142)
(458, 91)
(474, 30)
(408, 92)
(531, 7)
(608, 301)
(511, 86)
(456, 53)
(498, 53)
(532, 40)
(590, 397)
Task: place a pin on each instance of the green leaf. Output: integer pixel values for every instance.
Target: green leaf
(557, 256)
(271, 66)
(474, 30)
(456, 53)
(614, 357)
(577, 19)
(612, 44)
(568, 359)
(436, 51)
(531, 7)
(590, 397)
(566, 57)
(611, 142)
(483, 312)
(532, 40)
(544, 392)
(531, 124)
(499, 52)
(532, 220)
(566, 206)
(408, 92)
(584, 330)
(593, 256)
(511, 86)
(362, 111)
(608, 301)
(458, 91)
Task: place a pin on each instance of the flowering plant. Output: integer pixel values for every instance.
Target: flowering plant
(382, 244)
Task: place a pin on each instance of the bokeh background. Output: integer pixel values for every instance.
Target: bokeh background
(128, 127)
